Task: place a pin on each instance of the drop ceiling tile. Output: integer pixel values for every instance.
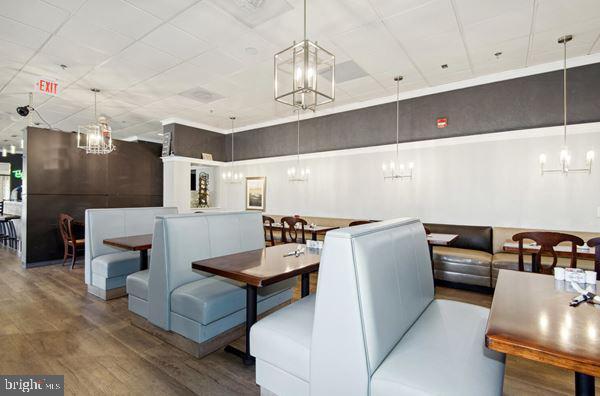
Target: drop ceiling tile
(387, 8)
(433, 18)
(81, 31)
(474, 11)
(498, 29)
(143, 55)
(176, 42)
(553, 14)
(450, 77)
(69, 53)
(584, 34)
(11, 52)
(216, 62)
(431, 52)
(361, 86)
(177, 79)
(514, 55)
(331, 17)
(42, 66)
(21, 34)
(68, 5)
(115, 76)
(34, 13)
(368, 38)
(539, 57)
(249, 48)
(253, 13)
(162, 9)
(119, 16)
(222, 87)
(210, 23)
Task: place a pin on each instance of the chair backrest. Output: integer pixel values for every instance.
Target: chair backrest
(179, 240)
(289, 232)
(547, 242)
(595, 243)
(101, 224)
(503, 235)
(374, 282)
(268, 229)
(65, 226)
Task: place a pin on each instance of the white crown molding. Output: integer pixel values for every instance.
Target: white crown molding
(195, 161)
(487, 79)
(575, 129)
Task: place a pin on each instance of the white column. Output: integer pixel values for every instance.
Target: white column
(176, 183)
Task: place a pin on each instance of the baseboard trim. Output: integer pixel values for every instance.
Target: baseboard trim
(192, 347)
(107, 294)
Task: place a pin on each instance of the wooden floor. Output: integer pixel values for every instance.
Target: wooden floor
(50, 325)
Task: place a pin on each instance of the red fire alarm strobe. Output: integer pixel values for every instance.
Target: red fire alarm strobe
(442, 122)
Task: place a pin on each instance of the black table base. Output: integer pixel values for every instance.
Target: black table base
(585, 385)
(143, 260)
(251, 303)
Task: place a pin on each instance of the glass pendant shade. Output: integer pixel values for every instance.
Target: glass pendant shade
(304, 74)
(232, 176)
(565, 154)
(96, 137)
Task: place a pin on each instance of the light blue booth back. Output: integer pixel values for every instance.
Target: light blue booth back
(181, 239)
(101, 224)
(375, 281)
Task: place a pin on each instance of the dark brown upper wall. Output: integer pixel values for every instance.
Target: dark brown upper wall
(191, 142)
(527, 102)
(63, 178)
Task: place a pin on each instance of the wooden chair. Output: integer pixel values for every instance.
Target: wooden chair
(427, 230)
(70, 241)
(360, 222)
(291, 233)
(268, 229)
(595, 243)
(547, 241)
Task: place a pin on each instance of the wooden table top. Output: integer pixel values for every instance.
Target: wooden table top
(441, 239)
(561, 250)
(531, 318)
(262, 267)
(317, 228)
(133, 242)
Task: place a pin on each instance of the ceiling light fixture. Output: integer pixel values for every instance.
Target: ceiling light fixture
(97, 134)
(4, 152)
(444, 66)
(232, 175)
(22, 143)
(299, 74)
(565, 155)
(297, 173)
(13, 149)
(395, 170)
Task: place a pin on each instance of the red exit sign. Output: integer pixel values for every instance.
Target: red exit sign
(442, 122)
(47, 87)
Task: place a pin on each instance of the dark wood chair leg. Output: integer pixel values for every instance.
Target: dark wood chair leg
(74, 257)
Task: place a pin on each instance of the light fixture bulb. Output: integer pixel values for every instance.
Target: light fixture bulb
(590, 155)
(401, 166)
(384, 167)
(307, 171)
(543, 159)
(4, 151)
(392, 165)
(13, 149)
(23, 142)
(411, 165)
(565, 157)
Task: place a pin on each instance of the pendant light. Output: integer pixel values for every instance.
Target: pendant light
(302, 72)
(297, 173)
(565, 155)
(232, 176)
(96, 137)
(394, 170)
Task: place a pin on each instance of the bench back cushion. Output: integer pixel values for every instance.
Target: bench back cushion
(181, 239)
(375, 280)
(470, 237)
(101, 224)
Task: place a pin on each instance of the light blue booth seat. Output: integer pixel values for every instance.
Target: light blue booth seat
(374, 328)
(196, 305)
(106, 268)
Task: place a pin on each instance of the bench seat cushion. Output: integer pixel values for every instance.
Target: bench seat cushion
(116, 264)
(137, 284)
(283, 338)
(210, 299)
(462, 265)
(443, 353)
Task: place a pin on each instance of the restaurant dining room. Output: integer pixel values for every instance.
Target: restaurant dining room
(299, 197)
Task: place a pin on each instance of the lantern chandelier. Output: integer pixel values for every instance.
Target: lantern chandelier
(396, 170)
(565, 155)
(97, 137)
(232, 176)
(301, 74)
(297, 173)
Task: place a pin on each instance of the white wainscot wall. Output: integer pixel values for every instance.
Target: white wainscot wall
(491, 179)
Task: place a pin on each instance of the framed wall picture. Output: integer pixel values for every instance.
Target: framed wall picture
(207, 156)
(255, 193)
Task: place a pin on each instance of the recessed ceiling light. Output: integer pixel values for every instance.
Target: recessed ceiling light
(445, 66)
(250, 50)
(63, 66)
(497, 54)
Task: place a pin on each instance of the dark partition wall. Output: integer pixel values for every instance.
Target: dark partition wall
(63, 178)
